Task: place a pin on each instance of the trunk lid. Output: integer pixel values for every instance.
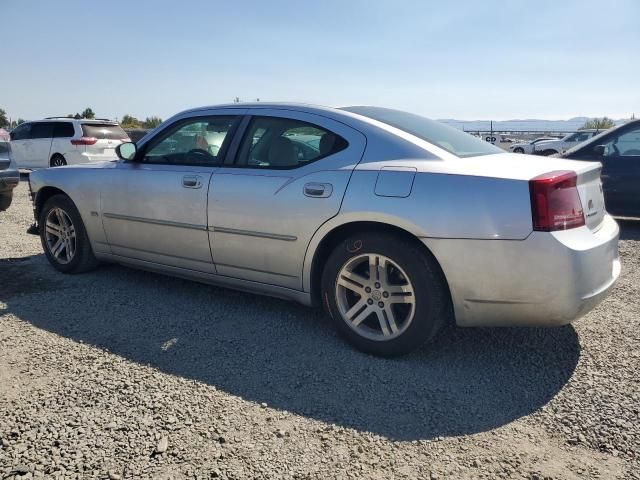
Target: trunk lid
(108, 136)
(591, 196)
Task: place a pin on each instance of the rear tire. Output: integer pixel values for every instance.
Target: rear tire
(548, 153)
(518, 150)
(58, 161)
(63, 236)
(405, 304)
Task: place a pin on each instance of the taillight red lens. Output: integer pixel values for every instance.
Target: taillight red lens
(555, 202)
(84, 141)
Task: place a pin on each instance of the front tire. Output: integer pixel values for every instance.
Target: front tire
(384, 293)
(518, 150)
(63, 236)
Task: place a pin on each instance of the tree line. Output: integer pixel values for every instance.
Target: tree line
(128, 121)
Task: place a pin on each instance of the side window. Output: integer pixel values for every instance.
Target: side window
(273, 142)
(197, 141)
(21, 132)
(63, 130)
(41, 130)
(626, 144)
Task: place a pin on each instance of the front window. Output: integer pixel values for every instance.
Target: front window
(448, 138)
(197, 141)
(626, 144)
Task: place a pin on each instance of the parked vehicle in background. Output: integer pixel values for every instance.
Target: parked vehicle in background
(551, 147)
(618, 150)
(9, 175)
(391, 221)
(55, 142)
(527, 147)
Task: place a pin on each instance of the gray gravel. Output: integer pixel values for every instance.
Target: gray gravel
(126, 374)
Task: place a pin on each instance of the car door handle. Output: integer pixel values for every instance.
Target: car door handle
(318, 190)
(191, 181)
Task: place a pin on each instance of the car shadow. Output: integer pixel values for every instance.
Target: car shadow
(269, 350)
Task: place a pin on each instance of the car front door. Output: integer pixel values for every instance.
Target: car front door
(154, 209)
(621, 172)
(19, 144)
(287, 175)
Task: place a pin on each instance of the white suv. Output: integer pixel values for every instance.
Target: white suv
(54, 142)
(551, 147)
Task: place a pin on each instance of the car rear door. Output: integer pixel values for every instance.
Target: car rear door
(39, 145)
(264, 207)
(155, 209)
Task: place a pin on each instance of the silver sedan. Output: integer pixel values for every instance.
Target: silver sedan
(395, 224)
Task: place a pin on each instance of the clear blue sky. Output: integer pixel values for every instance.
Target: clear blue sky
(443, 59)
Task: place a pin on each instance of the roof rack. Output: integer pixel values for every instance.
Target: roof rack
(71, 118)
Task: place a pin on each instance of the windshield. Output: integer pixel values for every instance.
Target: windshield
(448, 138)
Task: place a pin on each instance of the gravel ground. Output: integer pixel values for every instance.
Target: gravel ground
(125, 374)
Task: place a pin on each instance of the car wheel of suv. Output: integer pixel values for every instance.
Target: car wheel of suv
(63, 236)
(58, 161)
(518, 150)
(548, 153)
(384, 294)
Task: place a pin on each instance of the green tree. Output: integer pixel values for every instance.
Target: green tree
(88, 113)
(77, 116)
(603, 123)
(151, 122)
(4, 121)
(129, 121)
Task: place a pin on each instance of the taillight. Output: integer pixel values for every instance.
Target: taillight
(555, 202)
(84, 141)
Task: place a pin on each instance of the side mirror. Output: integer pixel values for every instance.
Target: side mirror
(126, 151)
(599, 150)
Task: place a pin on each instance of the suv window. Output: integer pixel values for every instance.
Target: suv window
(63, 130)
(104, 131)
(21, 132)
(273, 142)
(197, 141)
(41, 130)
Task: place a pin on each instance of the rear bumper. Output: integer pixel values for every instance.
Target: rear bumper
(9, 179)
(547, 279)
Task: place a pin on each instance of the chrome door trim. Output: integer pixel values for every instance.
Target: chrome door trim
(248, 233)
(154, 221)
(256, 270)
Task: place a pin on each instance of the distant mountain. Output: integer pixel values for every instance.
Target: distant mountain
(534, 125)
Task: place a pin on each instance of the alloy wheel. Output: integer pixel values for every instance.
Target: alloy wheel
(60, 235)
(375, 297)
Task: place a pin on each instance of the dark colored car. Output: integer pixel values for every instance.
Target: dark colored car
(619, 152)
(9, 175)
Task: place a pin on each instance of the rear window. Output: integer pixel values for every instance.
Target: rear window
(104, 131)
(448, 138)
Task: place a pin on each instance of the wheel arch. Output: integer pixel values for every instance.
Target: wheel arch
(44, 194)
(324, 243)
(56, 154)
